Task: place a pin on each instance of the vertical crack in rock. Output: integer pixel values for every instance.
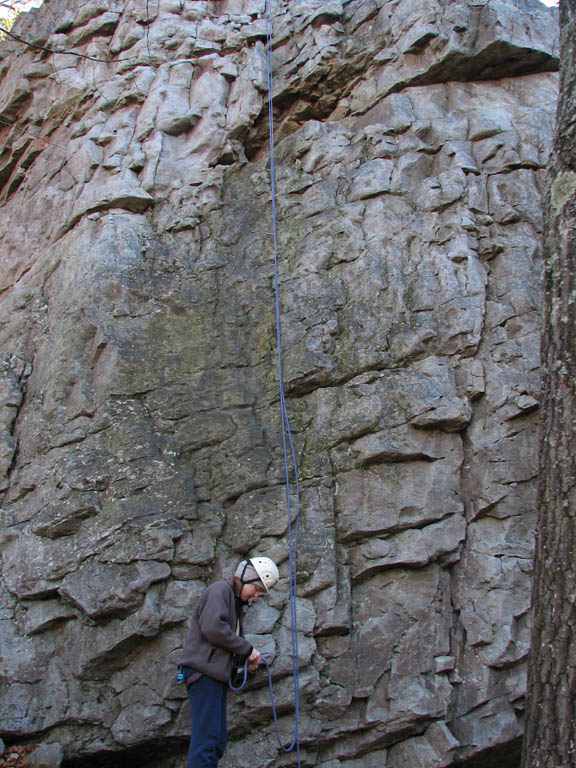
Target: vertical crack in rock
(15, 370)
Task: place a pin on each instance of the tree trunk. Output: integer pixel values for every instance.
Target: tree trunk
(550, 731)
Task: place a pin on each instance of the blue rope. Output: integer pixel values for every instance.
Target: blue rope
(287, 442)
(242, 685)
(286, 431)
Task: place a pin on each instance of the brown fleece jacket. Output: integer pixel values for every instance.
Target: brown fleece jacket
(212, 637)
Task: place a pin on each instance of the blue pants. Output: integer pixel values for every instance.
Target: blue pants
(208, 722)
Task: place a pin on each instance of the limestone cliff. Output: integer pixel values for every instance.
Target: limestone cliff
(140, 452)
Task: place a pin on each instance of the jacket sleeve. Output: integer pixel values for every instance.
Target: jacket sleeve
(214, 620)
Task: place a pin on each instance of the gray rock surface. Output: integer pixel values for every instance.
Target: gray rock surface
(140, 451)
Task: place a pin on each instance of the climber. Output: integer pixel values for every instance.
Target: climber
(214, 639)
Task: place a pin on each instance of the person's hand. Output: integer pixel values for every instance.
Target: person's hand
(253, 661)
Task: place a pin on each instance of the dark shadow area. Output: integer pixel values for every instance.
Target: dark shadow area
(150, 753)
(503, 756)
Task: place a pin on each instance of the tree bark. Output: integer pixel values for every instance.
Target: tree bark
(550, 729)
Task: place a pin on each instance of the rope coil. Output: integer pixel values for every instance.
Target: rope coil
(264, 659)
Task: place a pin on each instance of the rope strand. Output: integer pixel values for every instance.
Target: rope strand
(287, 441)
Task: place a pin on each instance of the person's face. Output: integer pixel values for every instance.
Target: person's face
(250, 592)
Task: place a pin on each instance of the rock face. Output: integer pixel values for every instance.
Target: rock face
(141, 452)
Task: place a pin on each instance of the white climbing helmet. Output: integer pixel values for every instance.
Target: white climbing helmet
(267, 571)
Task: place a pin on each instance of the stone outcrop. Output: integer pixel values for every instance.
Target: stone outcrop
(140, 451)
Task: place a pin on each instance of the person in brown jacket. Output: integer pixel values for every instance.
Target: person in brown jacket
(214, 638)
